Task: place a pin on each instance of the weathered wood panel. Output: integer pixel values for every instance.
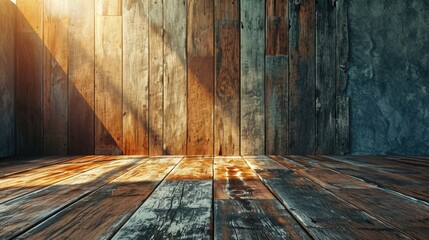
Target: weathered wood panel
(135, 77)
(175, 78)
(156, 77)
(277, 36)
(276, 94)
(302, 74)
(342, 142)
(108, 85)
(81, 58)
(28, 92)
(252, 77)
(200, 56)
(127, 192)
(193, 168)
(109, 7)
(7, 78)
(325, 76)
(227, 78)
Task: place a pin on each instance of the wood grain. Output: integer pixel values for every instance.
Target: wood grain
(193, 168)
(176, 209)
(325, 77)
(7, 78)
(255, 219)
(108, 85)
(135, 77)
(302, 74)
(156, 77)
(19, 215)
(200, 57)
(109, 7)
(227, 78)
(81, 58)
(314, 211)
(28, 91)
(126, 192)
(252, 77)
(175, 76)
(277, 36)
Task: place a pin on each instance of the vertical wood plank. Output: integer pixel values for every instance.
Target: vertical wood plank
(325, 77)
(108, 84)
(175, 90)
(200, 56)
(55, 70)
(135, 77)
(276, 76)
(227, 78)
(343, 122)
(156, 77)
(7, 78)
(81, 77)
(252, 77)
(29, 62)
(302, 109)
(109, 7)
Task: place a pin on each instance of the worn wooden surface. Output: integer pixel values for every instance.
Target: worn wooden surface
(81, 77)
(7, 78)
(252, 37)
(135, 77)
(251, 197)
(227, 78)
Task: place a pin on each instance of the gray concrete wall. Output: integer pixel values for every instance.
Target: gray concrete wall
(389, 76)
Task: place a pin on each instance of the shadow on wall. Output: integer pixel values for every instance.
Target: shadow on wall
(389, 77)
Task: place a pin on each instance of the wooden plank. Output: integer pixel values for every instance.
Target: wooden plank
(55, 69)
(26, 182)
(227, 78)
(200, 57)
(302, 108)
(193, 168)
(93, 216)
(252, 77)
(156, 76)
(255, 219)
(7, 78)
(320, 212)
(108, 85)
(276, 94)
(175, 86)
(21, 214)
(277, 36)
(342, 101)
(234, 179)
(412, 218)
(81, 127)
(135, 77)
(325, 76)
(176, 209)
(109, 7)
(28, 86)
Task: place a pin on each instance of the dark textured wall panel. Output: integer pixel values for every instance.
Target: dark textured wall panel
(389, 76)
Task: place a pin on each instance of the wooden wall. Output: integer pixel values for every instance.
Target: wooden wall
(7, 76)
(196, 77)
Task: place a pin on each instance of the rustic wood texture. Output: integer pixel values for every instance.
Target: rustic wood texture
(7, 78)
(81, 59)
(227, 78)
(126, 192)
(175, 78)
(313, 206)
(325, 76)
(302, 107)
(29, 62)
(277, 38)
(108, 85)
(135, 77)
(193, 168)
(109, 7)
(200, 71)
(22, 213)
(156, 77)
(252, 77)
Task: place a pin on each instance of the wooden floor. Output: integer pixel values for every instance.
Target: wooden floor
(136, 197)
